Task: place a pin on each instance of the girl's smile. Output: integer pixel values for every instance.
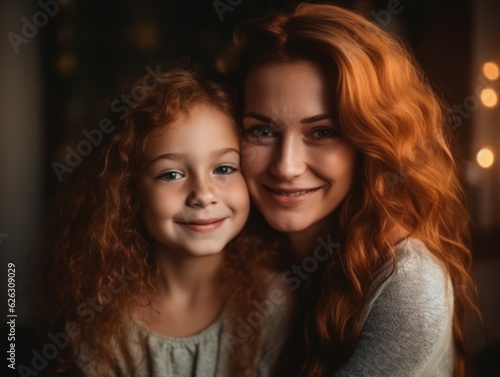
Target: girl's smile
(202, 225)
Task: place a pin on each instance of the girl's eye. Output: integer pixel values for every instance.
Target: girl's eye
(324, 133)
(260, 132)
(171, 176)
(225, 169)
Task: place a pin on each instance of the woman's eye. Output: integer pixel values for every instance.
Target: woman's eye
(171, 176)
(225, 169)
(261, 132)
(323, 133)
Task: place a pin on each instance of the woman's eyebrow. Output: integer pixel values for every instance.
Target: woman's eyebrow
(317, 118)
(260, 117)
(311, 119)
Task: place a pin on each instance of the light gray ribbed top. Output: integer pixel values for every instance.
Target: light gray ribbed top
(408, 321)
(207, 353)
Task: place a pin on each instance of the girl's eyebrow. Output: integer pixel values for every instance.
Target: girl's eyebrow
(168, 156)
(312, 119)
(224, 151)
(181, 156)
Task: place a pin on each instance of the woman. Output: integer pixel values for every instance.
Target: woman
(345, 144)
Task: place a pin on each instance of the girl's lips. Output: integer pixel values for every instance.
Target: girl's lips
(290, 197)
(202, 225)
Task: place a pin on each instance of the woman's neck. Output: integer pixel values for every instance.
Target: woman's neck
(305, 242)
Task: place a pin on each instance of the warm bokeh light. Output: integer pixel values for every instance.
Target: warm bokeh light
(145, 35)
(485, 157)
(489, 97)
(66, 63)
(491, 71)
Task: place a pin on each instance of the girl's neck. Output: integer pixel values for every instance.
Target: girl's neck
(187, 298)
(185, 275)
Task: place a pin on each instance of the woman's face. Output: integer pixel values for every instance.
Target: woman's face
(298, 168)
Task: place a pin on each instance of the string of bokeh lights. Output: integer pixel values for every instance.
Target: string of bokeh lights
(485, 157)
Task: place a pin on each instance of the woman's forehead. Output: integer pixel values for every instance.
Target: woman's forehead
(290, 89)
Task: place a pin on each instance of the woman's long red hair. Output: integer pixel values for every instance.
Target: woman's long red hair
(407, 177)
(97, 236)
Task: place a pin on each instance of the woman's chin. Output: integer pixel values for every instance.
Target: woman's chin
(287, 226)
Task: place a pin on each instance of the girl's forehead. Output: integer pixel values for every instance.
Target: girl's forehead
(202, 126)
(192, 117)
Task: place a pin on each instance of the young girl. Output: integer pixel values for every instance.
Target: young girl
(346, 144)
(144, 270)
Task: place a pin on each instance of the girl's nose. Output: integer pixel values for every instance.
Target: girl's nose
(203, 194)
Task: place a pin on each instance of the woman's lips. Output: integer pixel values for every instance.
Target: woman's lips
(290, 197)
(202, 225)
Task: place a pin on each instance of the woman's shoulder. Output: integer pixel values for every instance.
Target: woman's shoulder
(413, 262)
(417, 280)
(408, 321)
(414, 259)
(408, 316)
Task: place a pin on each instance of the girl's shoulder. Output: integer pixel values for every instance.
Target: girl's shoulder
(277, 305)
(280, 301)
(271, 316)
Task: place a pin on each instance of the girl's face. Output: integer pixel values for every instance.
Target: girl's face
(298, 168)
(194, 198)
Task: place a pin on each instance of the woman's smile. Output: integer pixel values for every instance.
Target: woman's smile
(289, 197)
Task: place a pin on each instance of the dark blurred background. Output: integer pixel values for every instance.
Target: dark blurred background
(63, 63)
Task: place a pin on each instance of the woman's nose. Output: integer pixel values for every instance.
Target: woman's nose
(203, 193)
(289, 158)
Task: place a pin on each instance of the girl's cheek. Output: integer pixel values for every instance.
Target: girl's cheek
(238, 191)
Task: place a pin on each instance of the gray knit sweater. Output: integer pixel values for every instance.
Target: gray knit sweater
(407, 330)
(208, 353)
(408, 321)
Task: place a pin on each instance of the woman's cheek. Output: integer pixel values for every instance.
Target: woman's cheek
(249, 153)
(337, 161)
(254, 159)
